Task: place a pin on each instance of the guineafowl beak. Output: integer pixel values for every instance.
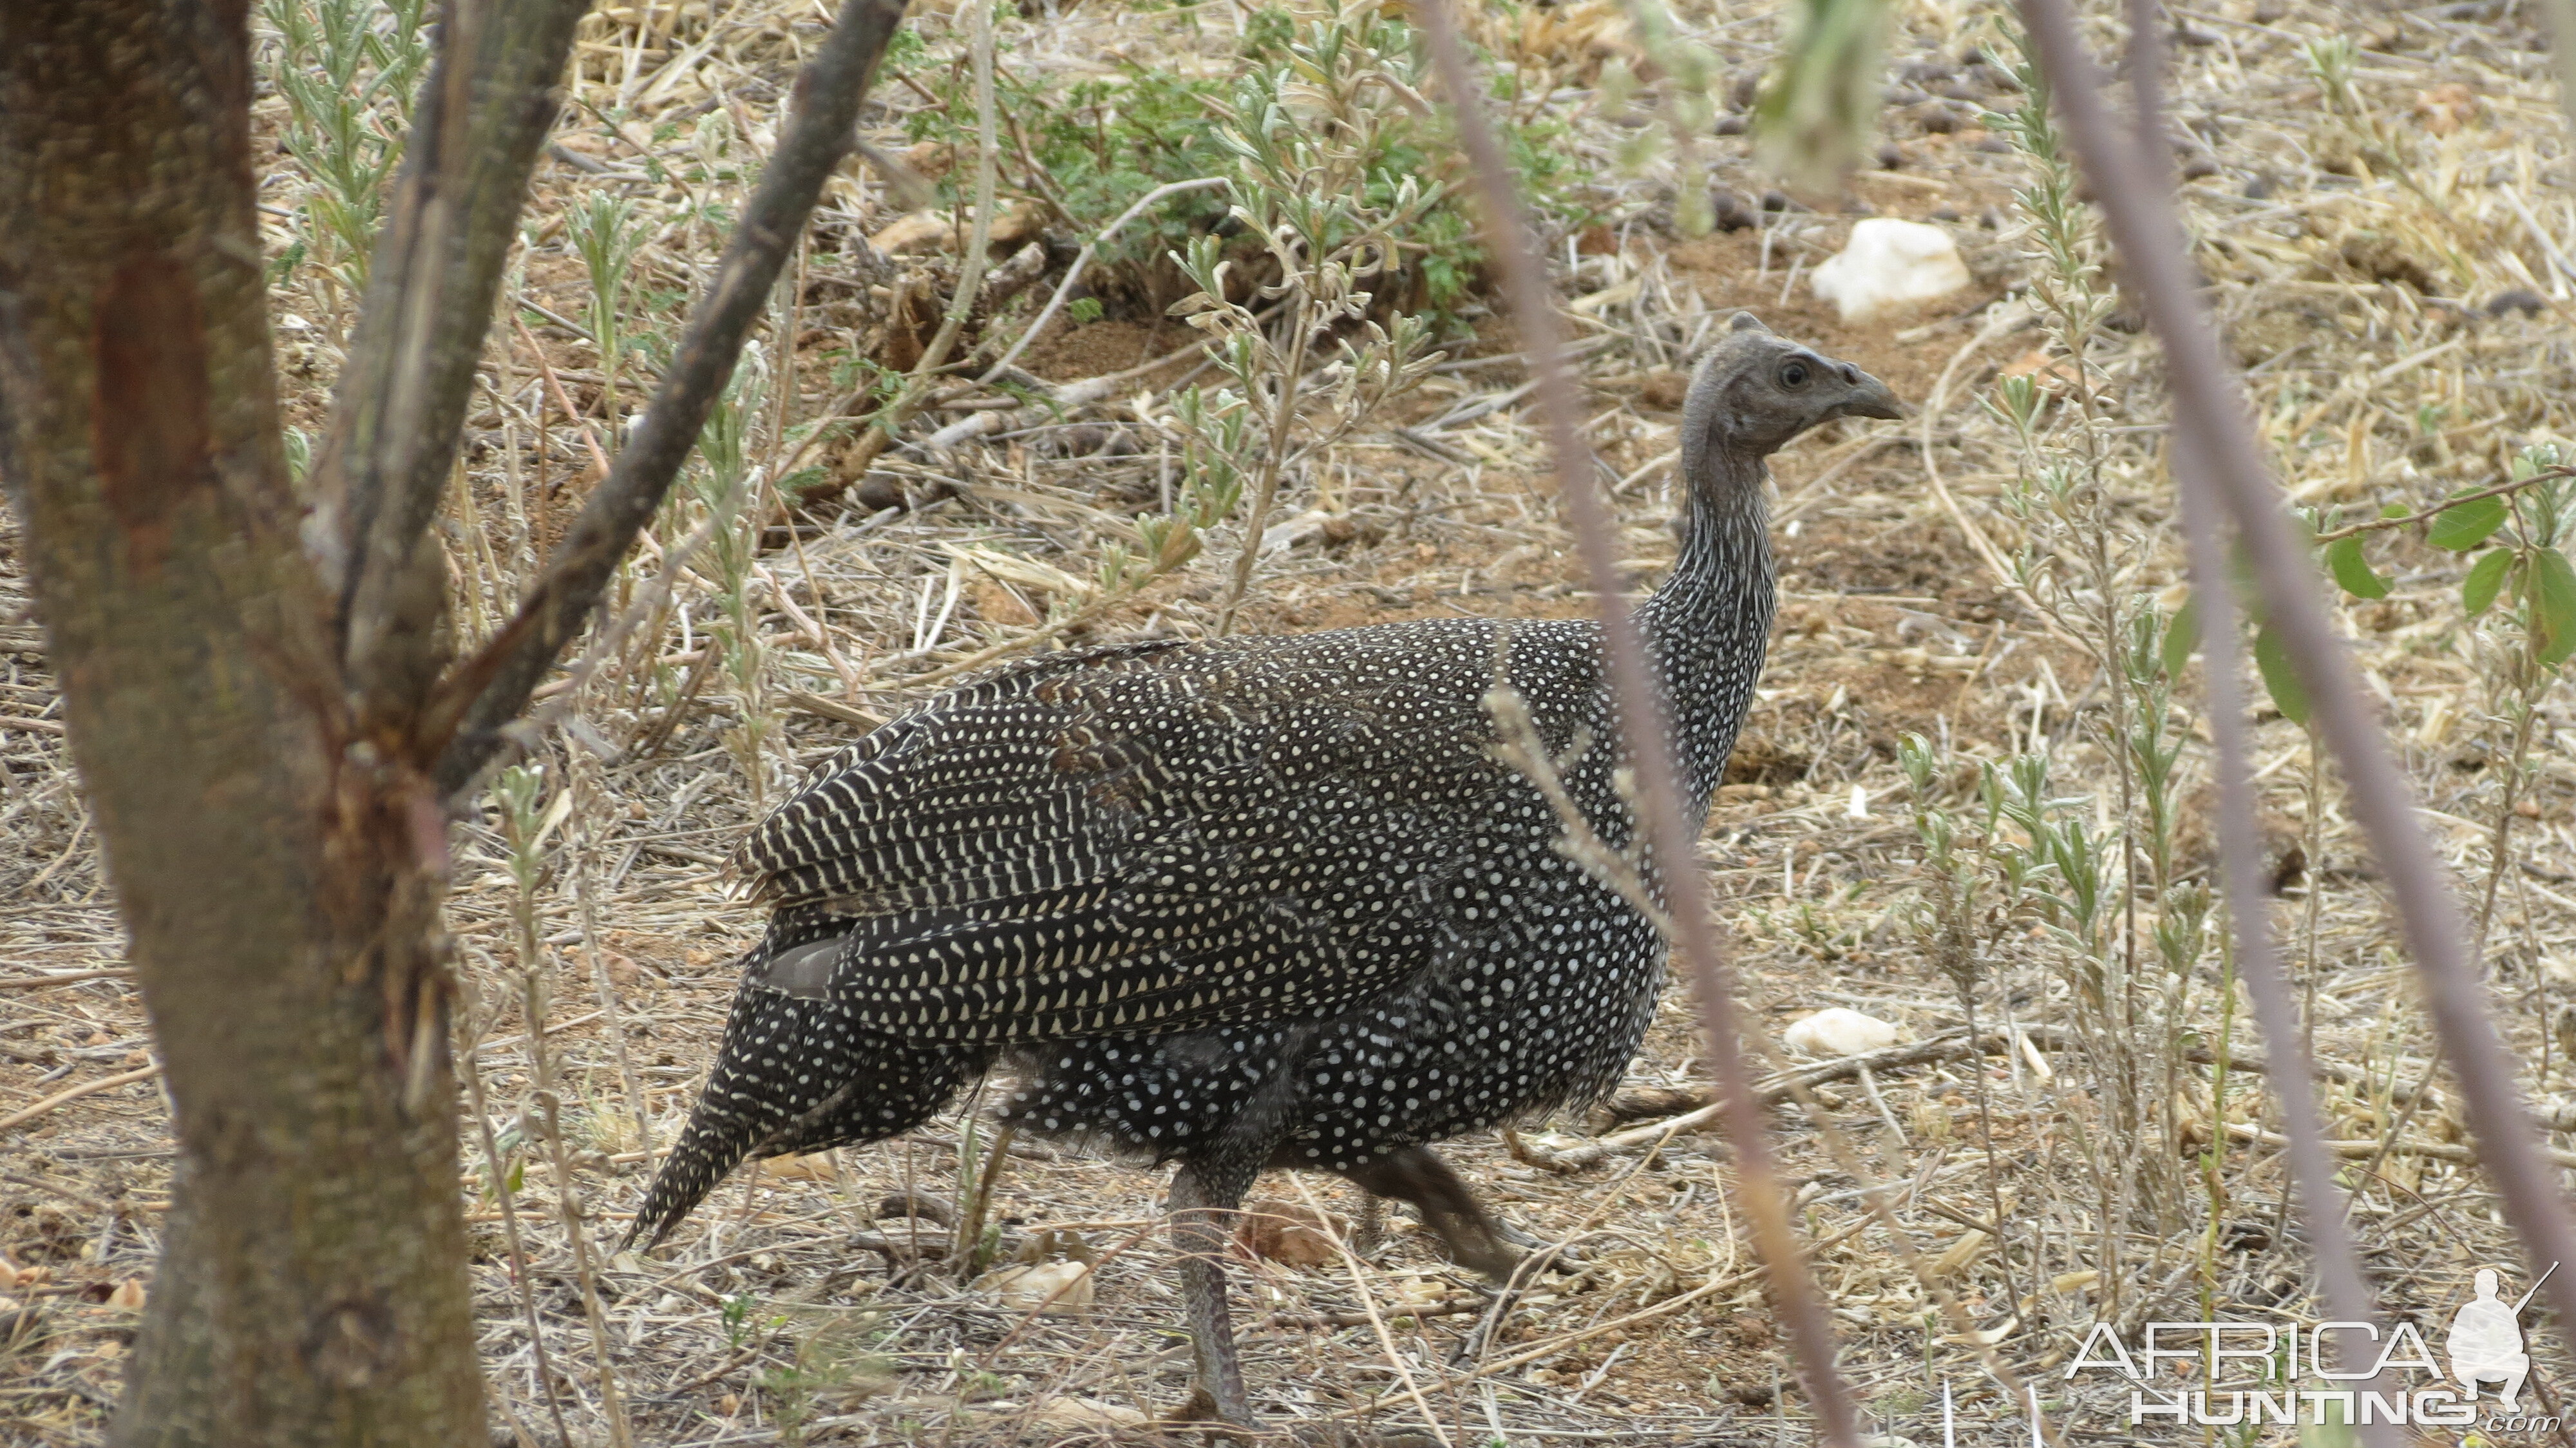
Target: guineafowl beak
(1870, 398)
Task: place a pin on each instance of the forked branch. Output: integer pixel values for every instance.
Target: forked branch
(463, 724)
(383, 468)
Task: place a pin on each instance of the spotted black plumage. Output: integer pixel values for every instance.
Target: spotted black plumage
(1250, 902)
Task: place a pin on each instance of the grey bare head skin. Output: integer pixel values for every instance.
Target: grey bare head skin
(1756, 390)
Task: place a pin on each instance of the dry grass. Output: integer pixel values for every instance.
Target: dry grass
(2351, 249)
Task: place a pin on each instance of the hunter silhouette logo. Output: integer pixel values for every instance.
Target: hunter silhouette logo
(2486, 1341)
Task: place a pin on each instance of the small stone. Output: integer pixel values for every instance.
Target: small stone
(1290, 1233)
(2260, 188)
(2528, 303)
(2199, 166)
(1993, 145)
(1939, 118)
(1730, 211)
(2193, 36)
(1947, 214)
(1731, 124)
(1890, 158)
(1838, 1031)
(1775, 200)
(1053, 1288)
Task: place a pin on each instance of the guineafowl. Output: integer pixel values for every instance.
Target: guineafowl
(1252, 903)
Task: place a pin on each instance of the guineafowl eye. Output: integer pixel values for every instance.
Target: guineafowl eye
(1250, 903)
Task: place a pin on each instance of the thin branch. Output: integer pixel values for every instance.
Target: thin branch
(462, 727)
(73, 1093)
(432, 281)
(2222, 468)
(1673, 855)
(887, 422)
(1073, 273)
(2379, 525)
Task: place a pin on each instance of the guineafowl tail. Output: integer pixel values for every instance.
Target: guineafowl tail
(796, 1073)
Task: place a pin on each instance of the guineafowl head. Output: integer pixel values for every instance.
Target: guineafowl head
(1755, 390)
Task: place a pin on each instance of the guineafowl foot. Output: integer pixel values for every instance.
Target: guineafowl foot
(1559, 1254)
(1199, 1209)
(1417, 1175)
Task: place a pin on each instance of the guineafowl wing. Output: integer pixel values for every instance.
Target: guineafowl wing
(1144, 840)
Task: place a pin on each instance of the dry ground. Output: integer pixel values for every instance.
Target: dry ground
(2353, 255)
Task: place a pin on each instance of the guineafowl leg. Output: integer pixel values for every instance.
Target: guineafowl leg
(1200, 1204)
(1369, 1232)
(1416, 1174)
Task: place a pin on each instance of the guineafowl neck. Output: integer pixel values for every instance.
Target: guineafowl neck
(1711, 621)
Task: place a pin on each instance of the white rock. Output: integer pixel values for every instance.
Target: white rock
(1889, 263)
(1053, 1288)
(1835, 1031)
(1085, 1415)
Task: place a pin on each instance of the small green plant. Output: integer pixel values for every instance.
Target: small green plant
(1088, 148)
(720, 488)
(1952, 922)
(1309, 144)
(737, 1319)
(348, 70)
(608, 236)
(2519, 595)
(2081, 559)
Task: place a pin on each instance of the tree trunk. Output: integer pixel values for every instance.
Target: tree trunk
(278, 874)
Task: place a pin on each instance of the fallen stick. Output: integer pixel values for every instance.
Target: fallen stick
(122, 1078)
(2356, 1150)
(68, 977)
(1770, 1091)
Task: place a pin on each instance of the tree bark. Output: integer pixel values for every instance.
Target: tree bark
(279, 875)
(252, 688)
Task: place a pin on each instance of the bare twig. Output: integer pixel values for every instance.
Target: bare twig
(495, 1174)
(68, 977)
(87, 1088)
(462, 727)
(889, 420)
(432, 279)
(1641, 717)
(1073, 273)
(2498, 490)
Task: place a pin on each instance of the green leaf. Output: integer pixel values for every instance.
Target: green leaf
(2464, 526)
(2394, 510)
(1821, 105)
(2273, 661)
(2553, 607)
(2182, 636)
(2486, 579)
(2352, 570)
